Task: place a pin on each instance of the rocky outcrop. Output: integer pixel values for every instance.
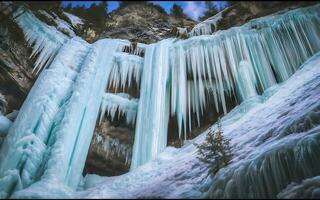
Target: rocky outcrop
(16, 77)
(144, 23)
(241, 12)
(110, 149)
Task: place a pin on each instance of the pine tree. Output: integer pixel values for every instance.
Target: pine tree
(215, 151)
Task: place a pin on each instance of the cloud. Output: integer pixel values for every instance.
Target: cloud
(194, 9)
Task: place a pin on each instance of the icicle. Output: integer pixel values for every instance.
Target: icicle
(46, 40)
(114, 148)
(124, 68)
(267, 48)
(120, 102)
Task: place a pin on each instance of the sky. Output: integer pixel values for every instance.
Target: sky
(193, 9)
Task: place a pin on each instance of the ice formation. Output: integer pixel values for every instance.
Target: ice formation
(207, 27)
(126, 67)
(120, 102)
(45, 40)
(114, 147)
(276, 147)
(44, 152)
(242, 61)
(61, 25)
(74, 20)
(153, 113)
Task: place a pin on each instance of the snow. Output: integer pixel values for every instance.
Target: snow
(61, 25)
(75, 21)
(208, 26)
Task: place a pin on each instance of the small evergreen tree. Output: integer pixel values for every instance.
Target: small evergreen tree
(215, 151)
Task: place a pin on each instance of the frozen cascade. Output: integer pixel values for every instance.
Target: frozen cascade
(45, 40)
(120, 102)
(245, 81)
(222, 60)
(45, 149)
(51, 145)
(275, 143)
(264, 44)
(153, 113)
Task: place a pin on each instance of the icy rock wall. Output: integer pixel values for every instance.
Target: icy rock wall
(243, 62)
(206, 27)
(48, 142)
(45, 40)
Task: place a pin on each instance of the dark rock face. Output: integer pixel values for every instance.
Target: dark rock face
(110, 149)
(16, 78)
(243, 11)
(142, 23)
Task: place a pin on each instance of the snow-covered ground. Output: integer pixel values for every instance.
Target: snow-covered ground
(284, 131)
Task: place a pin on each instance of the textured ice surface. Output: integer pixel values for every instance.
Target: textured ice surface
(287, 124)
(126, 67)
(308, 188)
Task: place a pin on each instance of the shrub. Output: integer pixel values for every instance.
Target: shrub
(215, 151)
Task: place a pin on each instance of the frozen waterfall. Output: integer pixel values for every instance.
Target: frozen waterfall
(242, 62)
(44, 150)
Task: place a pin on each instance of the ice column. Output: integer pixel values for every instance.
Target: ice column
(245, 82)
(153, 108)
